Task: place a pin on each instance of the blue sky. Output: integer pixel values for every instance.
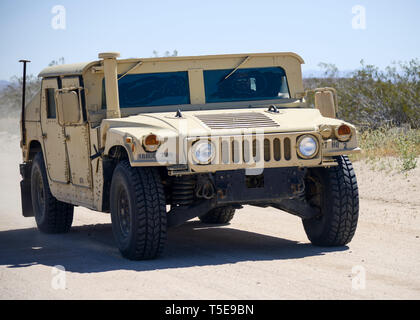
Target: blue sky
(320, 31)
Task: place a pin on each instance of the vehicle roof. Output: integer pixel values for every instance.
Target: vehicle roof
(79, 68)
(64, 69)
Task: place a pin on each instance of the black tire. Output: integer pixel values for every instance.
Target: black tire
(218, 215)
(138, 211)
(51, 215)
(334, 190)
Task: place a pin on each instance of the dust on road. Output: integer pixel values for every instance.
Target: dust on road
(262, 254)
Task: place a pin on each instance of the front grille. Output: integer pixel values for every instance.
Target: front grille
(255, 151)
(251, 149)
(237, 120)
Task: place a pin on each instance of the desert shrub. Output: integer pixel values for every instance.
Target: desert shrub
(11, 96)
(402, 143)
(370, 98)
(406, 146)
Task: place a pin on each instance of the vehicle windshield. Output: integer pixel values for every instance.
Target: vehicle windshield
(245, 84)
(172, 88)
(154, 89)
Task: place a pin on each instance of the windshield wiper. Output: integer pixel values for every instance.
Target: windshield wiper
(239, 65)
(131, 69)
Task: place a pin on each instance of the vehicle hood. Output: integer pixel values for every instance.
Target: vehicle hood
(220, 122)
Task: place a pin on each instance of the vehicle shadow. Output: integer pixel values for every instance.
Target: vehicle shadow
(91, 248)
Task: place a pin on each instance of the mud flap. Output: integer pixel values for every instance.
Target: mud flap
(26, 199)
(25, 190)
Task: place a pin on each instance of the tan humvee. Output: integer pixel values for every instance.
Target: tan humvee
(199, 135)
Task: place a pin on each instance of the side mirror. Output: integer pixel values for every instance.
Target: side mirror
(69, 106)
(326, 102)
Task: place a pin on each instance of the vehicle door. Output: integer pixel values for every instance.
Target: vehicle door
(53, 135)
(72, 116)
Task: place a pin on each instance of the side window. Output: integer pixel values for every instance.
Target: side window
(51, 108)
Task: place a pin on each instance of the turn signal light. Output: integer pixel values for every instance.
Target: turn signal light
(151, 142)
(343, 132)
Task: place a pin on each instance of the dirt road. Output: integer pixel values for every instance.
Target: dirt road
(262, 254)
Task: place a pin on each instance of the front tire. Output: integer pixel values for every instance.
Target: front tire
(51, 215)
(138, 211)
(334, 191)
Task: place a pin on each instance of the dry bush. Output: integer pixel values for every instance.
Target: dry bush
(402, 143)
(370, 98)
(11, 96)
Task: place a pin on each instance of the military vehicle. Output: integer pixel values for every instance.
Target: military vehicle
(156, 142)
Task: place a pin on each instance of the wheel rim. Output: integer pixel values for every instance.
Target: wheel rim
(123, 212)
(40, 195)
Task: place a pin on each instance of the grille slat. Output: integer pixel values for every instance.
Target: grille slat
(246, 149)
(237, 120)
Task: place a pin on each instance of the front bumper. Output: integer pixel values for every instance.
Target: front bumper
(254, 151)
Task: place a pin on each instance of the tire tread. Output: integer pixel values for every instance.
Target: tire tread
(150, 217)
(344, 210)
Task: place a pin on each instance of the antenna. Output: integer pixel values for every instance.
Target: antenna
(22, 119)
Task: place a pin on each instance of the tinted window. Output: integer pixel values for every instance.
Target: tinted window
(51, 113)
(245, 84)
(154, 89)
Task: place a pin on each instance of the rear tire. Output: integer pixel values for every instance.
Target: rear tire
(218, 215)
(334, 190)
(138, 211)
(51, 215)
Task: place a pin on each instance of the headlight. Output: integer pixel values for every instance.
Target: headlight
(203, 152)
(307, 146)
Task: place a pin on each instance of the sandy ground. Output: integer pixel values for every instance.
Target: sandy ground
(262, 254)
